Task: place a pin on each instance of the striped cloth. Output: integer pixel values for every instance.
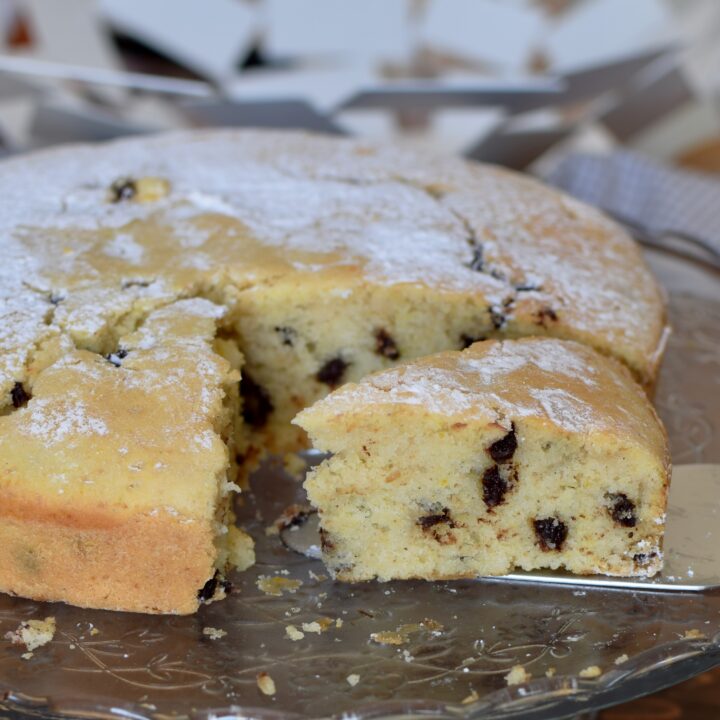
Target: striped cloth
(658, 199)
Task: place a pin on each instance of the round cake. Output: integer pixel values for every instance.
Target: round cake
(142, 278)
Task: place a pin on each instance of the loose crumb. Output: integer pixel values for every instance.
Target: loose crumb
(312, 627)
(94, 631)
(402, 634)
(27, 655)
(517, 675)
(274, 585)
(471, 698)
(388, 637)
(339, 623)
(214, 633)
(353, 679)
(33, 633)
(550, 672)
(621, 659)
(293, 633)
(694, 634)
(592, 671)
(266, 683)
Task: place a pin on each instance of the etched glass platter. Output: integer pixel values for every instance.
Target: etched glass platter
(582, 648)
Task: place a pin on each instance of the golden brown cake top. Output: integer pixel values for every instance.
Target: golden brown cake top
(559, 383)
(90, 234)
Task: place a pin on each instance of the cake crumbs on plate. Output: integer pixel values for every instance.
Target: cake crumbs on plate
(266, 683)
(402, 634)
(590, 672)
(27, 655)
(94, 631)
(33, 633)
(293, 633)
(276, 585)
(214, 633)
(353, 679)
(471, 698)
(621, 659)
(694, 634)
(517, 675)
(550, 672)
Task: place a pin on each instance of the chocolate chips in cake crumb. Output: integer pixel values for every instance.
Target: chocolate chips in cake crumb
(497, 317)
(19, 395)
(438, 526)
(494, 487)
(331, 373)
(385, 345)
(502, 450)
(256, 403)
(551, 533)
(622, 509)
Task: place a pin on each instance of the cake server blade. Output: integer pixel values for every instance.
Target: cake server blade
(692, 541)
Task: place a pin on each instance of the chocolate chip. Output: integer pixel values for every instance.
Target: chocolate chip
(332, 371)
(503, 449)
(325, 543)
(551, 533)
(19, 395)
(496, 317)
(257, 406)
(135, 283)
(385, 345)
(494, 487)
(208, 590)
(123, 189)
(117, 357)
(527, 287)
(428, 521)
(477, 263)
(294, 516)
(287, 335)
(545, 315)
(644, 559)
(622, 509)
(467, 340)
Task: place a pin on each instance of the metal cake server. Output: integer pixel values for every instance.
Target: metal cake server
(692, 540)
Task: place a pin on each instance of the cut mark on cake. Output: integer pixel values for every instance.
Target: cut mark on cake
(551, 533)
(434, 525)
(494, 487)
(621, 509)
(502, 450)
(256, 403)
(332, 372)
(19, 395)
(385, 345)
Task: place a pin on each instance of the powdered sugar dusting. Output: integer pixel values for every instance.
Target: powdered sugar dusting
(53, 421)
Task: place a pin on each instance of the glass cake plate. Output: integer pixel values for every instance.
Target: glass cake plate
(459, 639)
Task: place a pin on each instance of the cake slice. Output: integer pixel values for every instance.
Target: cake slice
(114, 470)
(532, 453)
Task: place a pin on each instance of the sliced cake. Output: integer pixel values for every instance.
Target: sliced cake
(532, 453)
(325, 259)
(114, 470)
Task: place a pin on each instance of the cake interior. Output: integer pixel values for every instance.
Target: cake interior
(449, 499)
